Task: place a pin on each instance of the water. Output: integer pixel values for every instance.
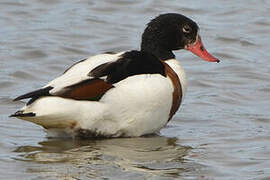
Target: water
(221, 131)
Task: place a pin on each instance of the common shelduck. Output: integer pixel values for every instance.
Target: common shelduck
(126, 94)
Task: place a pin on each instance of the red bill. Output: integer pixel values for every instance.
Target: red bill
(200, 51)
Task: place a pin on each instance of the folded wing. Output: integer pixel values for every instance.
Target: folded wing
(90, 79)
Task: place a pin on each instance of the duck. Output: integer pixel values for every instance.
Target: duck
(125, 94)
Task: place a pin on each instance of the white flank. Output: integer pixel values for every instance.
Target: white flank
(137, 105)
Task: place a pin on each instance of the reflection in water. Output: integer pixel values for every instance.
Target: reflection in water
(131, 157)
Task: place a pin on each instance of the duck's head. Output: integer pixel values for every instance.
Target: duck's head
(171, 31)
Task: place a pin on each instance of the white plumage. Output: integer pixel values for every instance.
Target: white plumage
(137, 105)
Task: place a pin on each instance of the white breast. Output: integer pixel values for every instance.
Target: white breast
(175, 65)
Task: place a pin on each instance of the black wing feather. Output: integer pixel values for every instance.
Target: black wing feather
(35, 94)
(129, 64)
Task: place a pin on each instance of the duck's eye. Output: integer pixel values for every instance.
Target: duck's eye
(186, 29)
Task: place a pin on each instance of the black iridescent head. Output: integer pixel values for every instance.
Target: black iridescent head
(169, 32)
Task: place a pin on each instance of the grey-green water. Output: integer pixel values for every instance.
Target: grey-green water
(222, 130)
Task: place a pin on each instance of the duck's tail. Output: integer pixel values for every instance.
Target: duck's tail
(56, 112)
(49, 112)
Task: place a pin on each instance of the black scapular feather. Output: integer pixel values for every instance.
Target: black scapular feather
(129, 64)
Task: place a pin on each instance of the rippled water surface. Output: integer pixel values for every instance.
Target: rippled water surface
(222, 130)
